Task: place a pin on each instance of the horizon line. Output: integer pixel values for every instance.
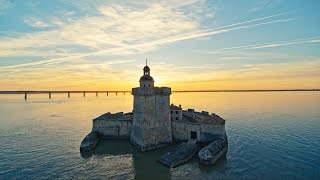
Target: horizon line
(174, 91)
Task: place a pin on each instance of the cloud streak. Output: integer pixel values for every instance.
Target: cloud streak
(263, 4)
(135, 44)
(259, 72)
(266, 45)
(81, 44)
(34, 22)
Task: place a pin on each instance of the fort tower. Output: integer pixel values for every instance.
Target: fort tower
(151, 126)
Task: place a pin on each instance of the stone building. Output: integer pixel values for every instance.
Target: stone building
(176, 112)
(199, 126)
(154, 123)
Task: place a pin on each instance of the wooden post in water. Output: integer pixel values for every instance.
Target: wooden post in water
(84, 94)
(116, 93)
(107, 93)
(96, 93)
(49, 95)
(25, 96)
(124, 93)
(69, 94)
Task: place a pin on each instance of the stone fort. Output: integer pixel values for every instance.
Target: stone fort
(154, 122)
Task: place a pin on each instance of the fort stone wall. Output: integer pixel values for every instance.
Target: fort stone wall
(113, 128)
(182, 131)
(210, 132)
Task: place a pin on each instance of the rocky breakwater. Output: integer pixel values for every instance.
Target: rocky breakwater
(89, 142)
(212, 152)
(180, 155)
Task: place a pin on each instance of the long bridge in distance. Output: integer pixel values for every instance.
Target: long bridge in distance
(124, 92)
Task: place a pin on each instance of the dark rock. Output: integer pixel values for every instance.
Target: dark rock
(89, 142)
(181, 154)
(212, 152)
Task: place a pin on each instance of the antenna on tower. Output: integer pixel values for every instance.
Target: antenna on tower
(146, 62)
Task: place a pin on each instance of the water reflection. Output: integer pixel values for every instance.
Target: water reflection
(143, 163)
(271, 135)
(121, 153)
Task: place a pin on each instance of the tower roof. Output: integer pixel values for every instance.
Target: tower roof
(146, 78)
(146, 73)
(146, 68)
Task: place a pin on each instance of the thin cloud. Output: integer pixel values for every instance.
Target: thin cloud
(140, 47)
(264, 4)
(34, 22)
(114, 27)
(271, 71)
(267, 45)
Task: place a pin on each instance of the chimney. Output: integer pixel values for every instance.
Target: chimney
(190, 110)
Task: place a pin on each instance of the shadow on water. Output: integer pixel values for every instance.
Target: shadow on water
(110, 147)
(195, 170)
(146, 164)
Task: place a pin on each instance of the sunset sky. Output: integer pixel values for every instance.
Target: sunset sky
(189, 44)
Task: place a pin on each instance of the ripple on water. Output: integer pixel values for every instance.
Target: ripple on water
(266, 140)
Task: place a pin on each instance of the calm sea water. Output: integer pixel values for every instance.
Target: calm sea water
(271, 135)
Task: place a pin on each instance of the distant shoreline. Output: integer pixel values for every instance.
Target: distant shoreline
(179, 91)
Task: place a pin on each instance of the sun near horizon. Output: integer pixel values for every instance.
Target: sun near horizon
(190, 45)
